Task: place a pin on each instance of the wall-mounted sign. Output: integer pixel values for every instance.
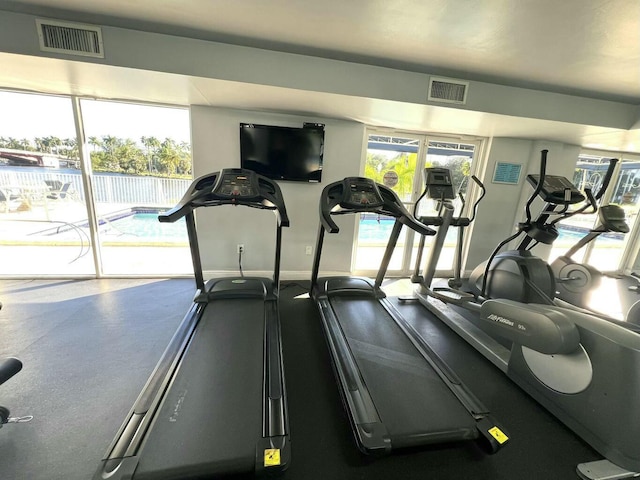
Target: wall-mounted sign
(390, 179)
(507, 173)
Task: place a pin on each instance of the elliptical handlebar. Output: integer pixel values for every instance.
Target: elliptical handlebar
(593, 199)
(474, 210)
(607, 178)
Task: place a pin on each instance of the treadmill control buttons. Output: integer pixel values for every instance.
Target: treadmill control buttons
(236, 186)
(362, 193)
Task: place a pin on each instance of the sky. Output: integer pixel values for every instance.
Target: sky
(28, 116)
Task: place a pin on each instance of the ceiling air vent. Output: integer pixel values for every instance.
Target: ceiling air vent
(70, 38)
(447, 90)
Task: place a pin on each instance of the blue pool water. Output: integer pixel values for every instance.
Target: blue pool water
(144, 225)
(130, 226)
(374, 230)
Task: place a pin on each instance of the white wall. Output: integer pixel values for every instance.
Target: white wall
(499, 208)
(216, 145)
(504, 205)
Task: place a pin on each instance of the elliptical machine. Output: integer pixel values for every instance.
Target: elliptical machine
(518, 274)
(438, 187)
(576, 281)
(581, 367)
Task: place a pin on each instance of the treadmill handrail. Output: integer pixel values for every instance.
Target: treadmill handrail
(332, 202)
(230, 186)
(202, 193)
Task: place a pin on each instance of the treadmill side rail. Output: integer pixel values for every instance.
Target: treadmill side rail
(273, 451)
(127, 441)
(492, 435)
(370, 434)
(274, 388)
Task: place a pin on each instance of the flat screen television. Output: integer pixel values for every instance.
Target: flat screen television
(283, 153)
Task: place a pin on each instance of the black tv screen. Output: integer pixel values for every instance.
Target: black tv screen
(283, 153)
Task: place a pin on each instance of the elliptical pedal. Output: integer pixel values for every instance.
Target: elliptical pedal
(603, 470)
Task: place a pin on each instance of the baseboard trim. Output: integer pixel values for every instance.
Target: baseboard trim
(285, 275)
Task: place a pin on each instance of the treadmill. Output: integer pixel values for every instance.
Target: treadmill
(396, 390)
(216, 402)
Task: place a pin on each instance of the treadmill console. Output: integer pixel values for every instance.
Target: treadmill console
(240, 184)
(438, 183)
(360, 193)
(557, 189)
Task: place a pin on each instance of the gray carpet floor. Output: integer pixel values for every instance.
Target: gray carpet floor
(87, 349)
(89, 346)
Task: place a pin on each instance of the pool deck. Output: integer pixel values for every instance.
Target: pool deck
(27, 247)
(26, 251)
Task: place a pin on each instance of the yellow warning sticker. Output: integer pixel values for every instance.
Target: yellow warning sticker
(271, 457)
(498, 434)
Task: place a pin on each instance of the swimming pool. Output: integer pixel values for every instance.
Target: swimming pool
(374, 230)
(136, 225)
(142, 224)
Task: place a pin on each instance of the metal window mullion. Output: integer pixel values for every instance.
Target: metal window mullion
(86, 172)
(478, 162)
(405, 266)
(632, 248)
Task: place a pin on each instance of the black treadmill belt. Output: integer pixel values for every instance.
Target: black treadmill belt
(211, 418)
(412, 401)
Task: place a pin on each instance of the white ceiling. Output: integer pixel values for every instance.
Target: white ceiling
(577, 47)
(571, 46)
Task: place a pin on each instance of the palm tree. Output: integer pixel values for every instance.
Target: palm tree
(95, 143)
(71, 148)
(131, 159)
(151, 144)
(52, 144)
(40, 144)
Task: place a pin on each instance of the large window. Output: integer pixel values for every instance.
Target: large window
(141, 164)
(43, 213)
(137, 162)
(609, 251)
(398, 162)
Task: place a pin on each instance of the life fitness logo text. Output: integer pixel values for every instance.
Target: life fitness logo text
(499, 319)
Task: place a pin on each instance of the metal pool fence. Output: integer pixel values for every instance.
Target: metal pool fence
(107, 187)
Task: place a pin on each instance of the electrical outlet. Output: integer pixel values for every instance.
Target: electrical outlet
(308, 250)
(240, 248)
